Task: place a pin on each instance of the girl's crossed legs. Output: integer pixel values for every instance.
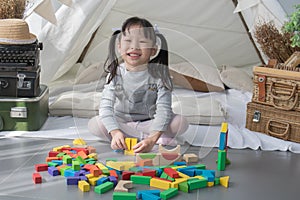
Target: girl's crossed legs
(177, 126)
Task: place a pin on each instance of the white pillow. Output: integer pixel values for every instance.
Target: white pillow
(204, 110)
(198, 77)
(236, 79)
(77, 104)
(91, 73)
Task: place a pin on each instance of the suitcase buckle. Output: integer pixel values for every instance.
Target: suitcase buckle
(256, 116)
(21, 83)
(18, 112)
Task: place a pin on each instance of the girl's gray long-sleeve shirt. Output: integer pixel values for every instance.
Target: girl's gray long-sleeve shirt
(135, 96)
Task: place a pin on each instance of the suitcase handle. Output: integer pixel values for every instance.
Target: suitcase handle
(293, 94)
(282, 125)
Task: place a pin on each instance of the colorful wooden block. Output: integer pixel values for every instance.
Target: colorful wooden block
(83, 186)
(224, 181)
(37, 178)
(169, 193)
(124, 196)
(41, 167)
(160, 183)
(105, 187)
(190, 158)
(136, 179)
(79, 141)
(221, 164)
(123, 186)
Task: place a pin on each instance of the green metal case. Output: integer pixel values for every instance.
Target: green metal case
(24, 114)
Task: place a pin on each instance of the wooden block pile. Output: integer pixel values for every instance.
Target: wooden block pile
(164, 170)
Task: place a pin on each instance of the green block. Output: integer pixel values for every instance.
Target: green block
(75, 165)
(105, 171)
(67, 159)
(184, 187)
(196, 184)
(144, 180)
(111, 159)
(169, 193)
(124, 196)
(80, 160)
(52, 164)
(104, 187)
(221, 160)
(92, 162)
(217, 181)
(60, 154)
(147, 155)
(62, 170)
(200, 166)
(135, 169)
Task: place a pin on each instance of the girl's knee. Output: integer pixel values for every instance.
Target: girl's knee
(96, 127)
(179, 124)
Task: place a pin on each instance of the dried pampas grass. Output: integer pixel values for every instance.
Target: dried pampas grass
(274, 44)
(12, 9)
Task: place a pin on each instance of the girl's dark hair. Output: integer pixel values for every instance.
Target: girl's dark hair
(158, 67)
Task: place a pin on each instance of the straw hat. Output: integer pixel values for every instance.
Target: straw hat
(15, 31)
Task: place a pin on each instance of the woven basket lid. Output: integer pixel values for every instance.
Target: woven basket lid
(15, 31)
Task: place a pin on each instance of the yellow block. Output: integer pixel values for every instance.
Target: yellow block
(224, 181)
(224, 127)
(94, 156)
(93, 180)
(60, 147)
(160, 183)
(101, 166)
(79, 141)
(210, 184)
(178, 167)
(177, 181)
(83, 186)
(200, 177)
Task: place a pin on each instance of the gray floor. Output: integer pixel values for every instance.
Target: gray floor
(253, 174)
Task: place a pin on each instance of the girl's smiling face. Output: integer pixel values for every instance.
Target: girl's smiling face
(135, 48)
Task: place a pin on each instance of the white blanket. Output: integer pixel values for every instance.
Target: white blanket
(199, 135)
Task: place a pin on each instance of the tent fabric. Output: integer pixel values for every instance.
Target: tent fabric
(204, 32)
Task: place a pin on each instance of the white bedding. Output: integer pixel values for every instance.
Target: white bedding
(233, 101)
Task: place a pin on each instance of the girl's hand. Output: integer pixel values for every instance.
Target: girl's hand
(147, 144)
(118, 140)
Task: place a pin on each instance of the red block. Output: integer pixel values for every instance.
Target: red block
(53, 153)
(41, 167)
(126, 175)
(37, 178)
(171, 172)
(82, 154)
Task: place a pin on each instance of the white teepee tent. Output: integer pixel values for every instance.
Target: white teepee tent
(210, 32)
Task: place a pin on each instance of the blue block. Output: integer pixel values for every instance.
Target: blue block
(179, 163)
(83, 178)
(72, 180)
(113, 179)
(53, 171)
(208, 174)
(149, 192)
(102, 180)
(59, 162)
(222, 142)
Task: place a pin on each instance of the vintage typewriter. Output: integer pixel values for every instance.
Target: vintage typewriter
(20, 69)
(20, 57)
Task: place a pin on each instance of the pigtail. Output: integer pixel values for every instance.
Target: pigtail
(111, 63)
(159, 66)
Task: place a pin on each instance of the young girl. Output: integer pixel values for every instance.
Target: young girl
(136, 101)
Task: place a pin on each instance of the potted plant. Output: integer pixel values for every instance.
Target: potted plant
(293, 27)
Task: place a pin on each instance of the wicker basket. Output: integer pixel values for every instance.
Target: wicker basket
(277, 88)
(271, 121)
